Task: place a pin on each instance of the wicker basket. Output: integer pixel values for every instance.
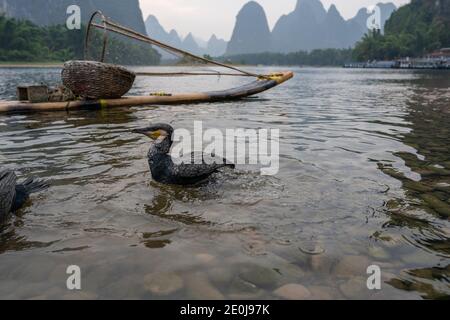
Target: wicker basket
(97, 80)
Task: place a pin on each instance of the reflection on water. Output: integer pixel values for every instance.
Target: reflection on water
(426, 182)
(364, 179)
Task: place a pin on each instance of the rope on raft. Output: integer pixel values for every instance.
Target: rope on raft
(108, 25)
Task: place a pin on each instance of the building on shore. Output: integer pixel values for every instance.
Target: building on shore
(439, 59)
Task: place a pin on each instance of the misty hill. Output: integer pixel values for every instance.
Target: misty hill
(251, 33)
(310, 26)
(214, 47)
(189, 44)
(361, 17)
(301, 29)
(52, 12)
(157, 32)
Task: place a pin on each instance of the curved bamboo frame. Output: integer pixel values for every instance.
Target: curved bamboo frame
(88, 31)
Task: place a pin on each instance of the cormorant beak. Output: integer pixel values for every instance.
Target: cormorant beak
(150, 132)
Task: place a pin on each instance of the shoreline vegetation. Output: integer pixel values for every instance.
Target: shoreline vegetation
(413, 31)
(315, 58)
(21, 42)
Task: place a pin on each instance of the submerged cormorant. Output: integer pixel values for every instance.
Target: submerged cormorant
(14, 195)
(162, 166)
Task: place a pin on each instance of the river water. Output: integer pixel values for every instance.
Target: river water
(364, 180)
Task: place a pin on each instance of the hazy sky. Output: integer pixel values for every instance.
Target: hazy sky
(205, 17)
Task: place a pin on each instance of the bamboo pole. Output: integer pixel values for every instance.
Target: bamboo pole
(110, 26)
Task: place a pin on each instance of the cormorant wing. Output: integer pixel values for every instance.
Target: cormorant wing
(195, 169)
(7, 191)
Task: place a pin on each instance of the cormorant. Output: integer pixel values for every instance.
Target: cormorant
(162, 167)
(14, 195)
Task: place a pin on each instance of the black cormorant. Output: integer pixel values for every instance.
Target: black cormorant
(162, 166)
(14, 195)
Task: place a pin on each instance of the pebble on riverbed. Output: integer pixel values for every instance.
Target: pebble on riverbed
(350, 266)
(198, 287)
(163, 284)
(437, 205)
(243, 290)
(205, 258)
(378, 253)
(220, 276)
(293, 291)
(355, 288)
(260, 276)
(322, 263)
(416, 186)
(323, 293)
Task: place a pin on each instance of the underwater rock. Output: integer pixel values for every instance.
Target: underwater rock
(378, 252)
(393, 204)
(416, 186)
(393, 173)
(437, 205)
(312, 249)
(322, 263)
(443, 186)
(293, 291)
(417, 258)
(323, 293)
(354, 288)
(431, 171)
(441, 171)
(163, 284)
(440, 195)
(205, 258)
(260, 276)
(295, 256)
(291, 271)
(220, 275)
(352, 266)
(127, 287)
(241, 289)
(198, 287)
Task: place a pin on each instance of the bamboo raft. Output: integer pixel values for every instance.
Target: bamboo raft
(248, 90)
(101, 85)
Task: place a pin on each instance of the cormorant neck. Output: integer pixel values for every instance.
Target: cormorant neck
(161, 146)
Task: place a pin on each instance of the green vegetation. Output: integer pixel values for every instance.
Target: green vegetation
(413, 30)
(319, 57)
(23, 41)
